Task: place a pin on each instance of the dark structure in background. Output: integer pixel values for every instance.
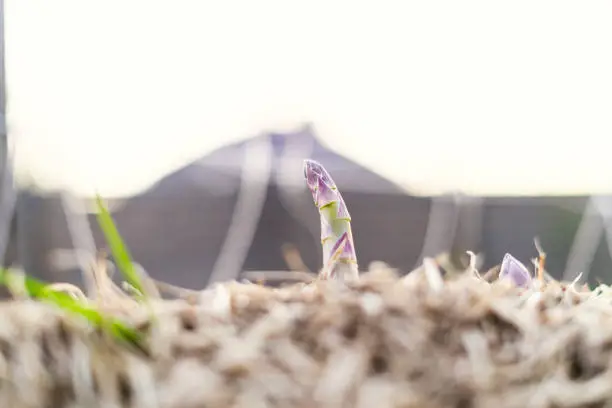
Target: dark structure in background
(7, 191)
(234, 209)
(179, 228)
(5, 176)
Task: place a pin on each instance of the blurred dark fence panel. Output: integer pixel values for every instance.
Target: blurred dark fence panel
(177, 229)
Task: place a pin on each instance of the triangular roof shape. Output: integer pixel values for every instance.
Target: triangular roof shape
(184, 222)
(220, 170)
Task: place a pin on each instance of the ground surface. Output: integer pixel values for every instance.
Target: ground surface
(381, 342)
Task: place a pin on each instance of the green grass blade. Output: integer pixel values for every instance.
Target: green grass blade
(118, 248)
(40, 291)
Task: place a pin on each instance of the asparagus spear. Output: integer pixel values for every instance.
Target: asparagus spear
(339, 257)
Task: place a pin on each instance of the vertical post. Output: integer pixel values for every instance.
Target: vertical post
(7, 193)
(596, 224)
(4, 144)
(468, 236)
(441, 227)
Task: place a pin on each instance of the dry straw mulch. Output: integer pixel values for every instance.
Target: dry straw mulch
(383, 341)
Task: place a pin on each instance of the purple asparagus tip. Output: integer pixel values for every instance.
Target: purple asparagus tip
(320, 183)
(336, 235)
(514, 270)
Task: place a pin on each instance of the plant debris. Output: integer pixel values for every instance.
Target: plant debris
(383, 340)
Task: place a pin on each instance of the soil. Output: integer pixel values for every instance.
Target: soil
(382, 341)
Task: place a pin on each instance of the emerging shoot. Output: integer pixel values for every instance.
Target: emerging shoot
(339, 259)
(515, 271)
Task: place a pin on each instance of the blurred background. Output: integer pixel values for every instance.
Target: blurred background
(448, 126)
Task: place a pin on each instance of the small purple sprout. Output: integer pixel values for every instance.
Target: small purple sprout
(515, 271)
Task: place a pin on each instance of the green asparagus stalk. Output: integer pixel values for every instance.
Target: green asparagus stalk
(339, 258)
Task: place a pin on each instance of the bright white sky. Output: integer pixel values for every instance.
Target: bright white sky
(481, 96)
